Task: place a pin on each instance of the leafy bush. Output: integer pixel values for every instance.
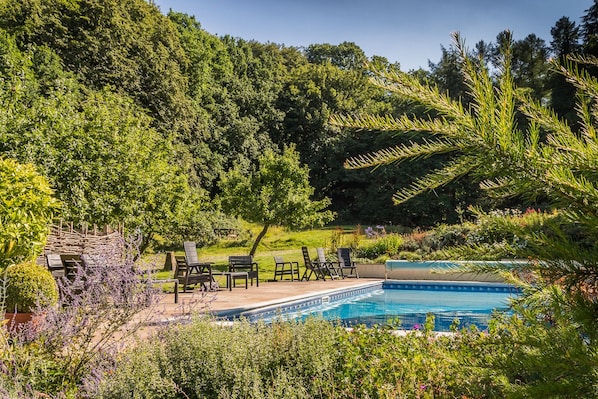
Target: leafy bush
(298, 360)
(495, 235)
(29, 286)
(548, 349)
(26, 210)
(389, 244)
(203, 360)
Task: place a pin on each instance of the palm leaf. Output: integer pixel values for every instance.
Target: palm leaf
(460, 167)
(402, 152)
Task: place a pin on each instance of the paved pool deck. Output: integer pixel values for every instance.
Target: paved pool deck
(239, 298)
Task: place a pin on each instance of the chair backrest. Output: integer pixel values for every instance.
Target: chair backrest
(181, 266)
(344, 256)
(55, 265)
(240, 259)
(191, 252)
(306, 257)
(278, 259)
(321, 255)
(245, 262)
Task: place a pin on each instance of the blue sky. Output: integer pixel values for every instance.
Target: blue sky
(408, 32)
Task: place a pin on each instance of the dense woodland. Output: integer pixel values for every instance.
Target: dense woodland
(134, 116)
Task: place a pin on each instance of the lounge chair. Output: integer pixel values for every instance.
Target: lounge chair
(243, 263)
(332, 269)
(346, 264)
(282, 268)
(195, 266)
(312, 268)
(192, 275)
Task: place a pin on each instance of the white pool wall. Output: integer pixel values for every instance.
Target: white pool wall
(427, 270)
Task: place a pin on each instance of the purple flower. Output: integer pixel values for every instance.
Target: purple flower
(416, 326)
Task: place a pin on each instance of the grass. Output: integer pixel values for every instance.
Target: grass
(277, 242)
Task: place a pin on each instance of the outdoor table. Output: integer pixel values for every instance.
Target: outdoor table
(231, 276)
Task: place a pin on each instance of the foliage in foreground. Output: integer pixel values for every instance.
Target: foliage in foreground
(520, 356)
(61, 349)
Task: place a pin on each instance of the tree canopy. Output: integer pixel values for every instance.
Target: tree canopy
(277, 193)
(91, 87)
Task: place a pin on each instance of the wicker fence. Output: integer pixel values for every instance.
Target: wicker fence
(65, 238)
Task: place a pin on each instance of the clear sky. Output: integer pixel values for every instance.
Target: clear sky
(410, 32)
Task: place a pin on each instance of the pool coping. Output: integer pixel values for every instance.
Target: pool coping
(277, 304)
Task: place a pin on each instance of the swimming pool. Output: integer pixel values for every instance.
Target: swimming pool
(472, 303)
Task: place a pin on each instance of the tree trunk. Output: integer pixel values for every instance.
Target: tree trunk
(258, 239)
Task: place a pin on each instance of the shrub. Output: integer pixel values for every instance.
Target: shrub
(26, 210)
(389, 244)
(203, 360)
(29, 286)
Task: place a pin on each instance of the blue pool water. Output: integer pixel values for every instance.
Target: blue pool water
(411, 307)
(409, 302)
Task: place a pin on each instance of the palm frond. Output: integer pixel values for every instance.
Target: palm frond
(410, 88)
(580, 78)
(440, 177)
(405, 151)
(398, 125)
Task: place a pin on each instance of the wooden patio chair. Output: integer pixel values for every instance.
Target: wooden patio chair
(244, 263)
(192, 275)
(282, 268)
(332, 269)
(55, 265)
(345, 262)
(312, 268)
(196, 267)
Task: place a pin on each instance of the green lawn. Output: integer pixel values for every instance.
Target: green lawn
(278, 241)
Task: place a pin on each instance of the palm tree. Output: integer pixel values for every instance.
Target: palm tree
(543, 158)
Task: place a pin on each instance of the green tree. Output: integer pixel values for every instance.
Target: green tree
(125, 44)
(104, 160)
(345, 56)
(277, 193)
(589, 30)
(486, 143)
(26, 211)
(560, 303)
(565, 41)
(530, 65)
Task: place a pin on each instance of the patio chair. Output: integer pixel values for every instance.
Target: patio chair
(55, 265)
(312, 268)
(243, 263)
(192, 275)
(74, 266)
(345, 262)
(332, 269)
(282, 268)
